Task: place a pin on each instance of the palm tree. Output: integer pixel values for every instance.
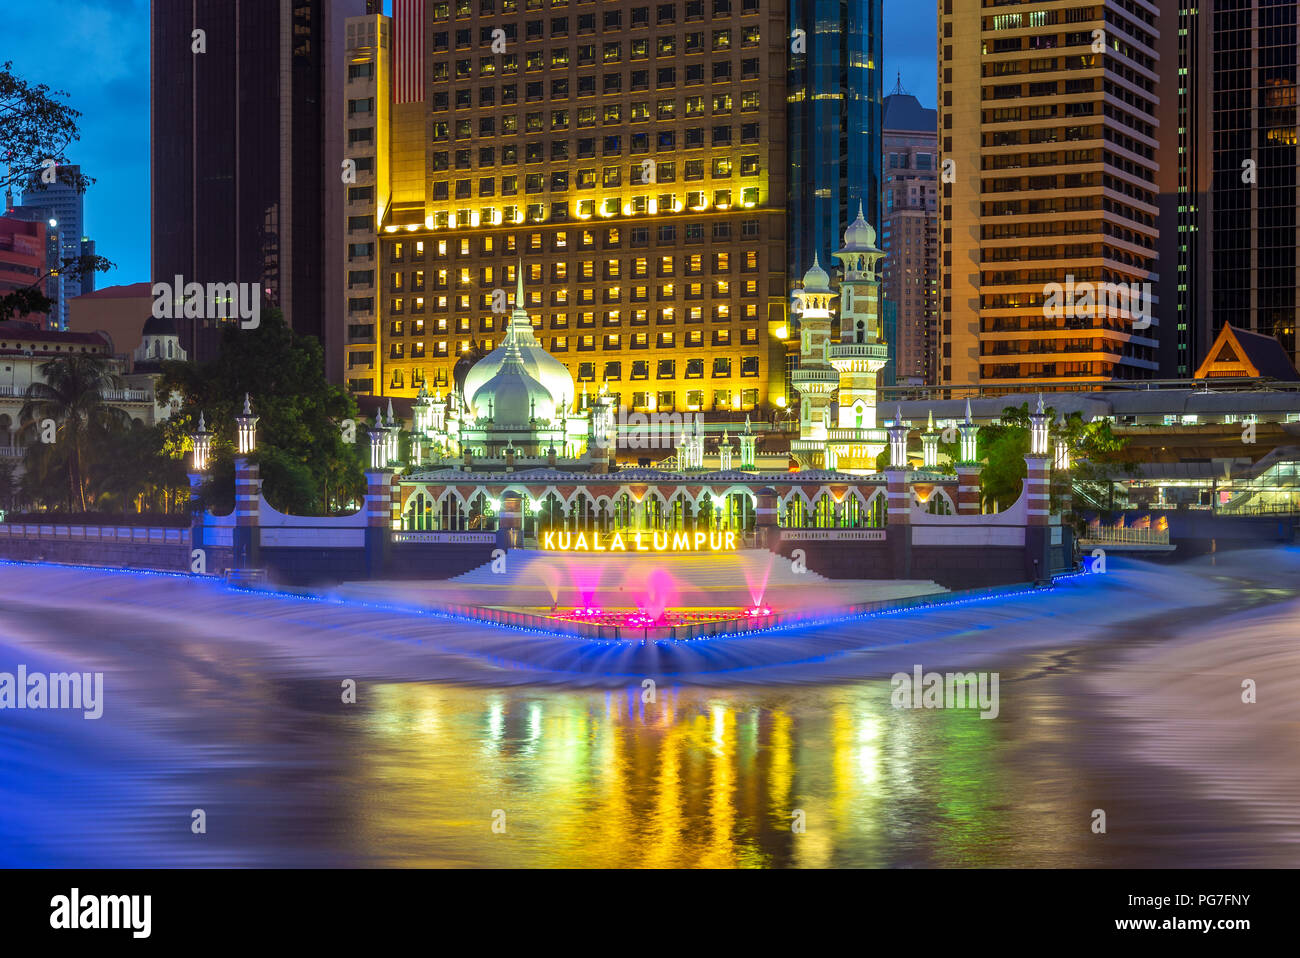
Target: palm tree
(72, 395)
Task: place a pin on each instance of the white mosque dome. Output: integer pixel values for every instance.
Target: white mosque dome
(860, 235)
(816, 280)
(540, 365)
(512, 396)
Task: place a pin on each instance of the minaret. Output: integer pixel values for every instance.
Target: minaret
(860, 353)
(815, 378)
(521, 330)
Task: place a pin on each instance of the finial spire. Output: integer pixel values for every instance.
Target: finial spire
(968, 410)
(519, 284)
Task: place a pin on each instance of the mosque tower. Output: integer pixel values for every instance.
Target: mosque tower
(815, 378)
(861, 353)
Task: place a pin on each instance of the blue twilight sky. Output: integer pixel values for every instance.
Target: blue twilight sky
(98, 51)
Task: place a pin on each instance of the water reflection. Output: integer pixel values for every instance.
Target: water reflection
(696, 778)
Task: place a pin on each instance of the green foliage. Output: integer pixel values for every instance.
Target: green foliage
(37, 126)
(132, 471)
(9, 488)
(306, 467)
(1096, 456)
(72, 395)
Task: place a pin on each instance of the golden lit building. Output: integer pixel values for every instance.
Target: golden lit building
(632, 155)
(1048, 208)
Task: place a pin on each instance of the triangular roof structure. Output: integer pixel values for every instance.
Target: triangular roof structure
(1241, 353)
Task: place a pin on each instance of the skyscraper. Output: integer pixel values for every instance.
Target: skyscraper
(65, 205)
(1228, 175)
(909, 235)
(631, 155)
(1048, 136)
(245, 164)
(833, 90)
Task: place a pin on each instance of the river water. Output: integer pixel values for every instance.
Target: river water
(473, 746)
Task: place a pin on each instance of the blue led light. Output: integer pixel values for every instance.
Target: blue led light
(830, 619)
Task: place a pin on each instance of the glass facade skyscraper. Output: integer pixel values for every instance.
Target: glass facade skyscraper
(834, 97)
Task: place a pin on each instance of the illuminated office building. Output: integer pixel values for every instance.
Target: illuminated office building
(1230, 113)
(1049, 140)
(909, 235)
(632, 155)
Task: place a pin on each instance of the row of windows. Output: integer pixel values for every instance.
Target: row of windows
(611, 237)
(694, 368)
(640, 16)
(643, 173)
(720, 71)
(610, 52)
(613, 371)
(584, 295)
(692, 264)
(611, 144)
(398, 328)
(638, 111)
(610, 318)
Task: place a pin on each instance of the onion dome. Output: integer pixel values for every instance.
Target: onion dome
(513, 397)
(816, 280)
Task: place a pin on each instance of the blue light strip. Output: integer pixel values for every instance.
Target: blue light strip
(472, 620)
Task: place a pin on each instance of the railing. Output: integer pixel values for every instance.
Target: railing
(1152, 537)
(108, 395)
(155, 535)
(1290, 508)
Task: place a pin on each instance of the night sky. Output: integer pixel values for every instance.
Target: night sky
(98, 51)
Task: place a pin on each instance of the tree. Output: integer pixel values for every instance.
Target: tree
(132, 469)
(306, 467)
(36, 128)
(1097, 457)
(8, 485)
(72, 395)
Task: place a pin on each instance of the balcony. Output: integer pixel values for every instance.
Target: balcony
(109, 395)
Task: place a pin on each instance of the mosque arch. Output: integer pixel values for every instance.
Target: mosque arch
(877, 510)
(940, 504)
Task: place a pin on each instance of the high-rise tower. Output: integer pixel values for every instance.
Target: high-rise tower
(834, 96)
(246, 153)
(633, 155)
(1048, 139)
(1228, 121)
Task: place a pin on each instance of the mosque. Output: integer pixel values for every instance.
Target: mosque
(514, 427)
(518, 407)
